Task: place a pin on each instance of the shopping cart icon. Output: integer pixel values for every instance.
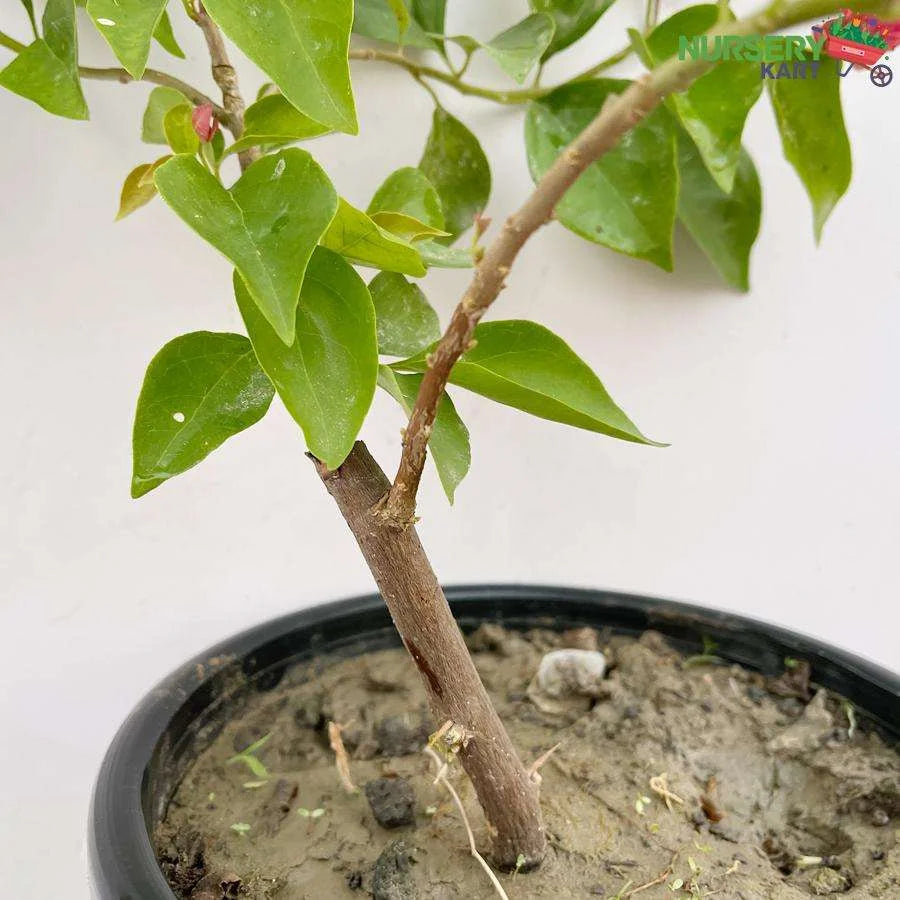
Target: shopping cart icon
(860, 40)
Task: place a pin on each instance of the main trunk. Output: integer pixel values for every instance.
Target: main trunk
(455, 692)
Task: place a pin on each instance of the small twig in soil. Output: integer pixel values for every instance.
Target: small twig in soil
(669, 869)
(813, 862)
(708, 801)
(533, 772)
(442, 779)
(851, 719)
(341, 760)
(659, 785)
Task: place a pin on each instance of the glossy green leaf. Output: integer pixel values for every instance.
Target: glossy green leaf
(405, 320)
(448, 444)
(160, 101)
(408, 204)
(199, 390)
(326, 377)
(29, 9)
(46, 71)
(627, 199)
(355, 236)
(273, 120)
(302, 46)
(455, 164)
(378, 19)
(268, 223)
(437, 256)
(725, 226)
(139, 188)
(524, 365)
(573, 19)
(714, 108)
(179, 129)
(165, 36)
(814, 138)
(519, 49)
(430, 14)
(128, 27)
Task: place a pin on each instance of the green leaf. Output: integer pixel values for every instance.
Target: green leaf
(268, 223)
(455, 164)
(29, 9)
(519, 49)
(714, 108)
(573, 18)
(326, 377)
(811, 123)
(128, 27)
(139, 188)
(199, 390)
(354, 235)
(627, 199)
(522, 364)
(725, 226)
(60, 32)
(449, 441)
(437, 256)
(430, 14)
(179, 129)
(273, 120)
(401, 14)
(302, 46)
(160, 101)
(407, 204)
(46, 71)
(404, 319)
(378, 19)
(165, 36)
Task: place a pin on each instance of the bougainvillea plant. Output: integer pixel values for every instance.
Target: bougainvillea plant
(617, 162)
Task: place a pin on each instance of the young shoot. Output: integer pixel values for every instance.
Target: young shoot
(252, 762)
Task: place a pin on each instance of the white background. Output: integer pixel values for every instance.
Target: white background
(778, 497)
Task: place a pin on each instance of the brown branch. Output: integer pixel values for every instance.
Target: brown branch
(198, 98)
(619, 115)
(423, 618)
(225, 76)
(113, 73)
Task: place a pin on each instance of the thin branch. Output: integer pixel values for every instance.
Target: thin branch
(10, 43)
(198, 98)
(454, 79)
(620, 114)
(225, 76)
(152, 76)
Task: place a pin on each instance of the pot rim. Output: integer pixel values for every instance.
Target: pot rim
(128, 791)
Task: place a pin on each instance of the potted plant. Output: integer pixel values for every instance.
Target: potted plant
(616, 162)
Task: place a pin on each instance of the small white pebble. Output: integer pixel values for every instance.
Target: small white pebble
(563, 672)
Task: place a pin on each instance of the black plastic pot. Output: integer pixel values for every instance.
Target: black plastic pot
(180, 717)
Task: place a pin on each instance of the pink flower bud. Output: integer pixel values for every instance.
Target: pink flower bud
(205, 122)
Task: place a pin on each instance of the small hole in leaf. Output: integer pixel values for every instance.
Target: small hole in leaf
(178, 417)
